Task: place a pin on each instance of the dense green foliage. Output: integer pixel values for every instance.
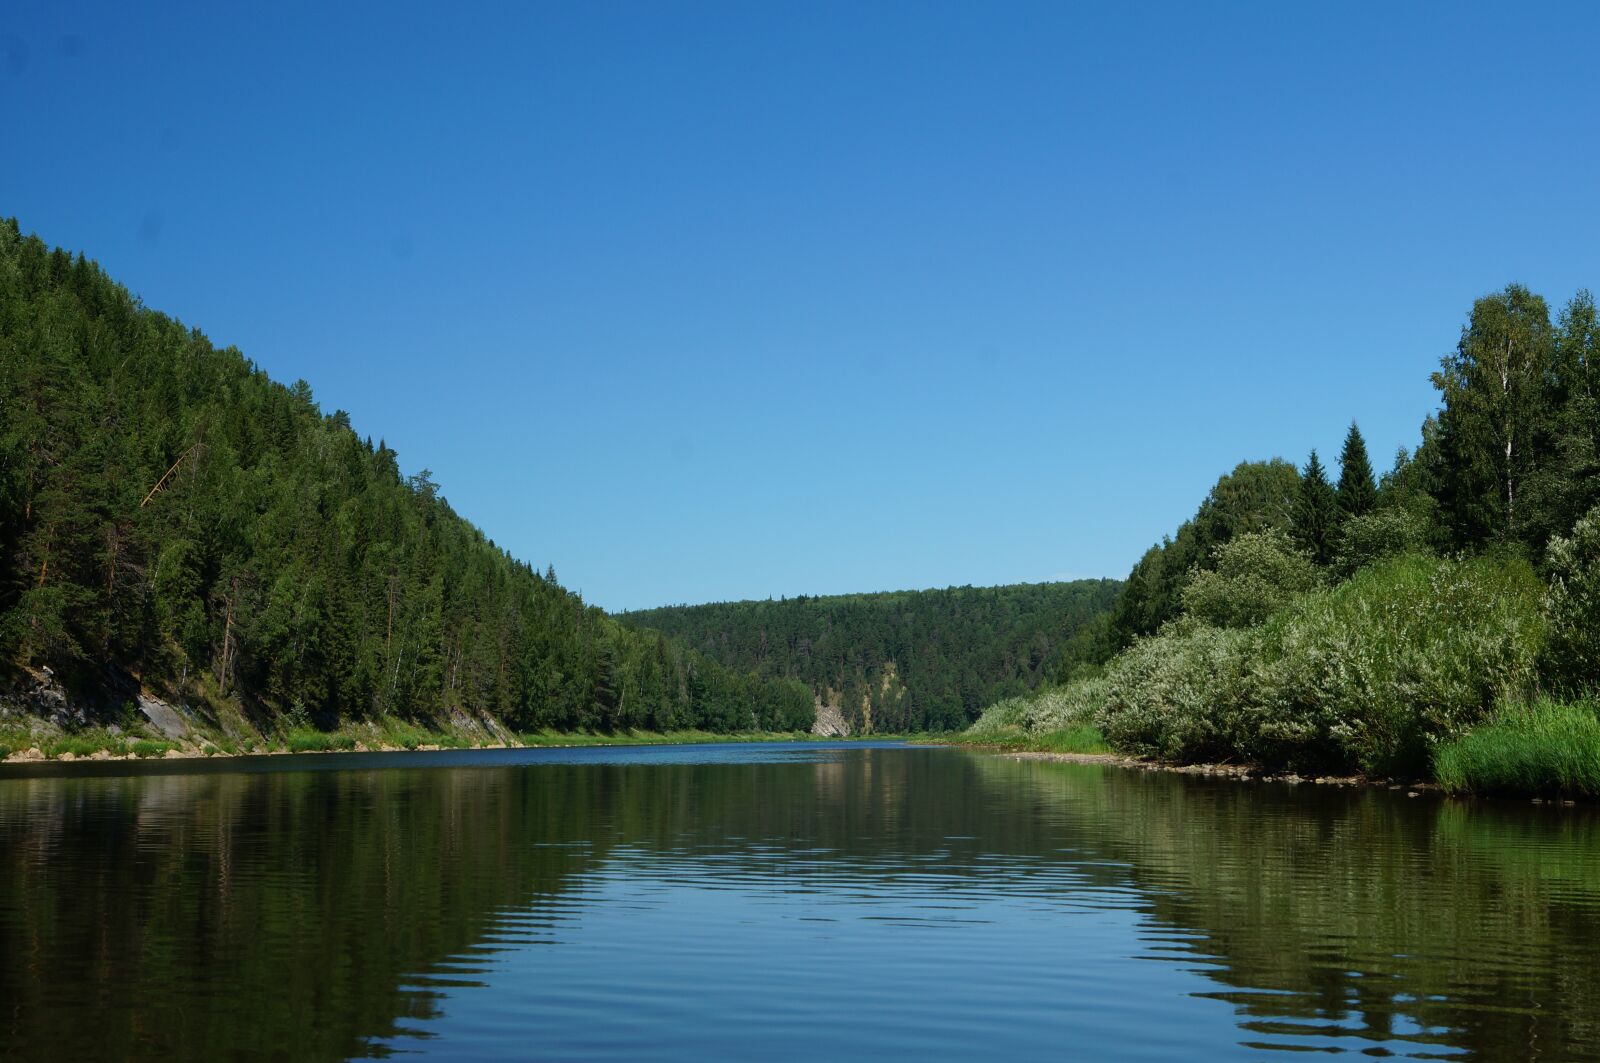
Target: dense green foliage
(172, 518)
(1256, 574)
(903, 660)
(1365, 674)
(1320, 629)
(1254, 497)
(1572, 656)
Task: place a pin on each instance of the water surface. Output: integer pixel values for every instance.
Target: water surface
(782, 901)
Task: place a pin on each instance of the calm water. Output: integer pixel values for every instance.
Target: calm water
(781, 902)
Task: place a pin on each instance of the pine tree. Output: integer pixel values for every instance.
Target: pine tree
(1316, 513)
(1357, 490)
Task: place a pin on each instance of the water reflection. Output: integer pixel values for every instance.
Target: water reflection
(785, 903)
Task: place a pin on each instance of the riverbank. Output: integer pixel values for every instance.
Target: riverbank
(1510, 782)
(104, 746)
(1043, 748)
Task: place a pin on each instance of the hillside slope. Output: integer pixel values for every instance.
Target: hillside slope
(175, 523)
(902, 660)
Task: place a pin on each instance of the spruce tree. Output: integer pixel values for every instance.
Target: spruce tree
(1316, 513)
(1357, 490)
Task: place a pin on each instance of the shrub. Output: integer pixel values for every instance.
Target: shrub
(1368, 675)
(1000, 718)
(1372, 537)
(1408, 652)
(1046, 711)
(1544, 748)
(1054, 720)
(1175, 695)
(1572, 654)
(308, 741)
(1065, 707)
(1256, 574)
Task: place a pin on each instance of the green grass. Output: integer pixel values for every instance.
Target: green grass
(79, 745)
(146, 747)
(1084, 738)
(309, 741)
(1547, 748)
(1077, 738)
(393, 732)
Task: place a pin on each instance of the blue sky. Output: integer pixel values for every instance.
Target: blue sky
(701, 301)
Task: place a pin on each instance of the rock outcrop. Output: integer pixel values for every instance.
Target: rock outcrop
(830, 722)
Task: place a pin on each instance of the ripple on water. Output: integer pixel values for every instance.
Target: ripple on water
(785, 903)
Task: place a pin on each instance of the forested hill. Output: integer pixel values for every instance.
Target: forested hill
(173, 522)
(904, 660)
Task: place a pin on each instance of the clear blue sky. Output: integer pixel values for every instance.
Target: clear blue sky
(704, 301)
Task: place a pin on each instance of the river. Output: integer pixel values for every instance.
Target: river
(801, 901)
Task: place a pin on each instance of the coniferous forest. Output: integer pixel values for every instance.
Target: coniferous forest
(905, 660)
(172, 521)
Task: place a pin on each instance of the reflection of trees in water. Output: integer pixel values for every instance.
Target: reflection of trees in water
(292, 913)
(1360, 910)
(206, 915)
(203, 914)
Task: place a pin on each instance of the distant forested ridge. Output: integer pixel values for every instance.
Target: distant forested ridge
(903, 660)
(173, 521)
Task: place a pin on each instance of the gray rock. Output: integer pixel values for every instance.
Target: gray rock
(163, 717)
(830, 722)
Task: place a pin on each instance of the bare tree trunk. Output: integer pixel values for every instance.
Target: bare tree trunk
(1505, 391)
(227, 642)
(388, 631)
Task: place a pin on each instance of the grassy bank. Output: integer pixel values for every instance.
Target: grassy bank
(102, 743)
(1083, 739)
(1547, 748)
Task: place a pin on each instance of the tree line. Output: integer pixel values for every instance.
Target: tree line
(172, 519)
(897, 661)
